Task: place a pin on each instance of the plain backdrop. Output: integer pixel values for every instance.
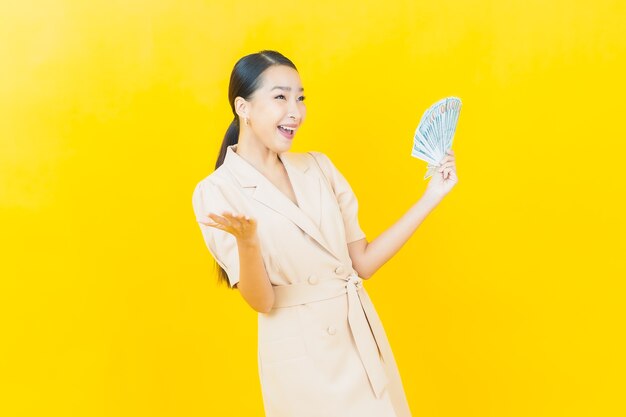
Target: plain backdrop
(509, 299)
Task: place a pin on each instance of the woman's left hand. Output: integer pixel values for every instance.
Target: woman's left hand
(445, 178)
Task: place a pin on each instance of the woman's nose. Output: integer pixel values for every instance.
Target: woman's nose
(294, 111)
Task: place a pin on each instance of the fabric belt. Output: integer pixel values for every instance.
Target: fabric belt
(368, 333)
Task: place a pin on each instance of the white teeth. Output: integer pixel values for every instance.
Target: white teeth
(287, 128)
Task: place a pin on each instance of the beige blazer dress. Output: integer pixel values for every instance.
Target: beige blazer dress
(322, 350)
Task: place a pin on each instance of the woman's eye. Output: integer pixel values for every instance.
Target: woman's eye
(282, 96)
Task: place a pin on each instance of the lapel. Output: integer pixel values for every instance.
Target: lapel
(306, 185)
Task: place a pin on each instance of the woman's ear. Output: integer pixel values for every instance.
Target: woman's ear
(241, 107)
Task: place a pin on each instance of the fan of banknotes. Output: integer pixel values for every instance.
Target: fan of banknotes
(434, 134)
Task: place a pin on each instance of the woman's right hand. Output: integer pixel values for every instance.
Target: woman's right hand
(239, 225)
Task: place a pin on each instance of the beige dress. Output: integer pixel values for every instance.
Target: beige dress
(322, 350)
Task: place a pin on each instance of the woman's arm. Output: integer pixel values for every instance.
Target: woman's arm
(367, 258)
(254, 284)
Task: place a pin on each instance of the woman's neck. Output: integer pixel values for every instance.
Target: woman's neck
(259, 156)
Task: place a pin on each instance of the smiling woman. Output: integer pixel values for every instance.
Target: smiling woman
(284, 229)
(266, 93)
(278, 104)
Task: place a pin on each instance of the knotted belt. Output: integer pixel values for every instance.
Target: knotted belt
(368, 333)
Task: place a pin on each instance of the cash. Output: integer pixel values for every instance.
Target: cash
(435, 132)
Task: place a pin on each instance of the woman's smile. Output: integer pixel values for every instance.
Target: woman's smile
(286, 131)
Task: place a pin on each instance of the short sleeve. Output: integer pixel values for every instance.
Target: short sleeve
(346, 198)
(222, 245)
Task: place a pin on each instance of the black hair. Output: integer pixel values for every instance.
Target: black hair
(245, 79)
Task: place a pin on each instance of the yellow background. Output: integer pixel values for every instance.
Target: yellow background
(508, 300)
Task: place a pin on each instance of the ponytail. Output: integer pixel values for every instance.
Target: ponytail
(230, 138)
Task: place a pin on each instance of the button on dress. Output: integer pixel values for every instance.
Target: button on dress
(322, 350)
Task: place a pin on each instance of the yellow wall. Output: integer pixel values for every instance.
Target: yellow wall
(509, 299)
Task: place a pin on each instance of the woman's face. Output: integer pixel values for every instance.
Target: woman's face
(276, 109)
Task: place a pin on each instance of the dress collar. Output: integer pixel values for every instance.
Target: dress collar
(306, 185)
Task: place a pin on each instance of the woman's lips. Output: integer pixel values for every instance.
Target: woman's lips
(286, 133)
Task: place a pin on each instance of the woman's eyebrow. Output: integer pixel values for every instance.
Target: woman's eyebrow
(284, 88)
